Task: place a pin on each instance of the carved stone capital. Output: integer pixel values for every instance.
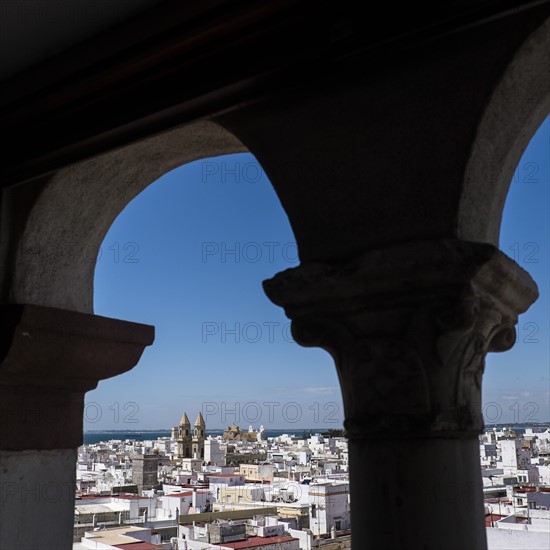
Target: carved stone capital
(49, 358)
(409, 327)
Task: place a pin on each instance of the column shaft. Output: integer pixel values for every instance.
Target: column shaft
(37, 492)
(409, 327)
(416, 494)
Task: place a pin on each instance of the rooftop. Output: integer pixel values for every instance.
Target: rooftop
(254, 542)
(117, 536)
(139, 546)
(186, 494)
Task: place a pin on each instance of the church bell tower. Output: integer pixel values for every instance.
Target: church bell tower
(184, 438)
(199, 437)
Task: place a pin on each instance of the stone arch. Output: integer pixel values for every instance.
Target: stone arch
(55, 258)
(516, 109)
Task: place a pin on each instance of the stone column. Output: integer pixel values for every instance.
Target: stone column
(49, 358)
(409, 327)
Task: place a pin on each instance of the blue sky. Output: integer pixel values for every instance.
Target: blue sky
(189, 254)
(516, 385)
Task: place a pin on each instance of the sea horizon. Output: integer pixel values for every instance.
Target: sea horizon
(313, 430)
(96, 436)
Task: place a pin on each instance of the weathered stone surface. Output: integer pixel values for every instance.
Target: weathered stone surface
(37, 491)
(518, 105)
(52, 256)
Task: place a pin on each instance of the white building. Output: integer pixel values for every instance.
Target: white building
(329, 507)
(304, 455)
(185, 502)
(513, 456)
(526, 529)
(213, 454)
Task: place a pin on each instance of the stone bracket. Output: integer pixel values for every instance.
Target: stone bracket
(49, 358)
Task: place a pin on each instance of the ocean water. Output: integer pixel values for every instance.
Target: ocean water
(96, 437)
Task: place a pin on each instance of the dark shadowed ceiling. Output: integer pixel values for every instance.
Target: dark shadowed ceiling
(33, 30)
